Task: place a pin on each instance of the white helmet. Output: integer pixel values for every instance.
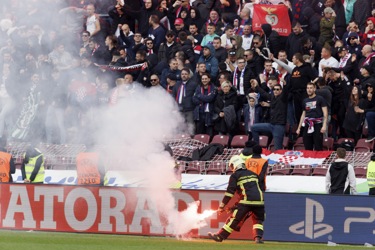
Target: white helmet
(236, 162)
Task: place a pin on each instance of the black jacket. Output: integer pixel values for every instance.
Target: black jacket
(279, 105)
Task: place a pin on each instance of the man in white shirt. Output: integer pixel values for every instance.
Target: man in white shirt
(327, 60)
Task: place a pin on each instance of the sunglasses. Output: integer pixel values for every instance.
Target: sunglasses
(85, 35)
(255, 43)
(148, 43)
(276, 89)
(153, 80)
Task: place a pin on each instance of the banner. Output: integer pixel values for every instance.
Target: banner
(290, 217)
(302, 157)
(275, 15)
(320, 218)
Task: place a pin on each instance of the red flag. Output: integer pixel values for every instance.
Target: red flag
(276, 15)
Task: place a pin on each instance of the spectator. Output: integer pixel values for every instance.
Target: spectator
(278, 113)
(209, 37)
(353, 121)
(340, 178)
(225, 109)
(247, 37)
(168, 49)
(208, 57)
(179, 26)
(293, 42)
(92, 21)
(195, 18)
(327, 61)
(220, 52)
(369, 111)
(183, 93)
(193, 30)
(150, 46)
(313, 119)
(173, 69)
(156, 32)
(213, 19)
(204, 98)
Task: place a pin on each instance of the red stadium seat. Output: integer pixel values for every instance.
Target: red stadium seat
(360, 171)
(239, 141)
(221, 139)
(363, 146)
(280, 170)
(263, 141)
(216, 167)
(202, 138)
(195, 167)
(299, 147)
(271, 147)
(328, 143)
(320, 170)
(301, 170)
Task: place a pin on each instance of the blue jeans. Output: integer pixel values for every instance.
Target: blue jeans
(277, 131)
(370, 117)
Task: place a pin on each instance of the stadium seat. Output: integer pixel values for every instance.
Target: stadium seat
(328, 143)
(280, 170)
(239, 141)
(304, 170)
(360, 171)
(221, 139)
(320, 170)
(216, 167)
(195, 167)
(299, 147)
(263, 141)
(202, 138)
(271, 147)
(182, 136)
(363, 146)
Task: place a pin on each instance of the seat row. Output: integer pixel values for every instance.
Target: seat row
(307, 170)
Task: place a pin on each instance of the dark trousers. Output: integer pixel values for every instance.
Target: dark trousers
(371, 191)
(313, 141)
(238, 217)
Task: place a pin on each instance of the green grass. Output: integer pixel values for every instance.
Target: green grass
(21, 240)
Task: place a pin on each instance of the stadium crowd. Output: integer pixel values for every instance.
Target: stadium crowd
(59, 61)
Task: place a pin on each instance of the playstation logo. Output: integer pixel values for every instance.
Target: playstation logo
(312, 227)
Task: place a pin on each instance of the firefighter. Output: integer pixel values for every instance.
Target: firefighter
(7, 167)
(89, 169)
(245, 183)
(258, 165)
(33, 166)
(371, 175)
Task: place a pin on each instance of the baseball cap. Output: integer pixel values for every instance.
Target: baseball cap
(179, 21)
(232, 52)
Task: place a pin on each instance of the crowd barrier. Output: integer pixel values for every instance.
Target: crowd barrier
(118, 210)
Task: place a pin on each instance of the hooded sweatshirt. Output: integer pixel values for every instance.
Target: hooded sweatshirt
(340, 178)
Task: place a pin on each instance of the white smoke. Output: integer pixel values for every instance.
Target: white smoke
(133, 132)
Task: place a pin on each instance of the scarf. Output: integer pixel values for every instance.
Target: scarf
(206, 105)
(181, 93)
(344, 60)
(311, 122)
(368, 59)
(239, 85)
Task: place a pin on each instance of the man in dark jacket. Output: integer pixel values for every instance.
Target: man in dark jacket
(183, 93)
(278, 113)
(340, 177)
(208, 57)
(293, 42)
(220, 53)
(271, 38)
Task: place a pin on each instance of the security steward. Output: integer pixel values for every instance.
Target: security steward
(7, 167)
(371, 175)
(89, 169)
(33, 166)
(246, 184)
(258, 165)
